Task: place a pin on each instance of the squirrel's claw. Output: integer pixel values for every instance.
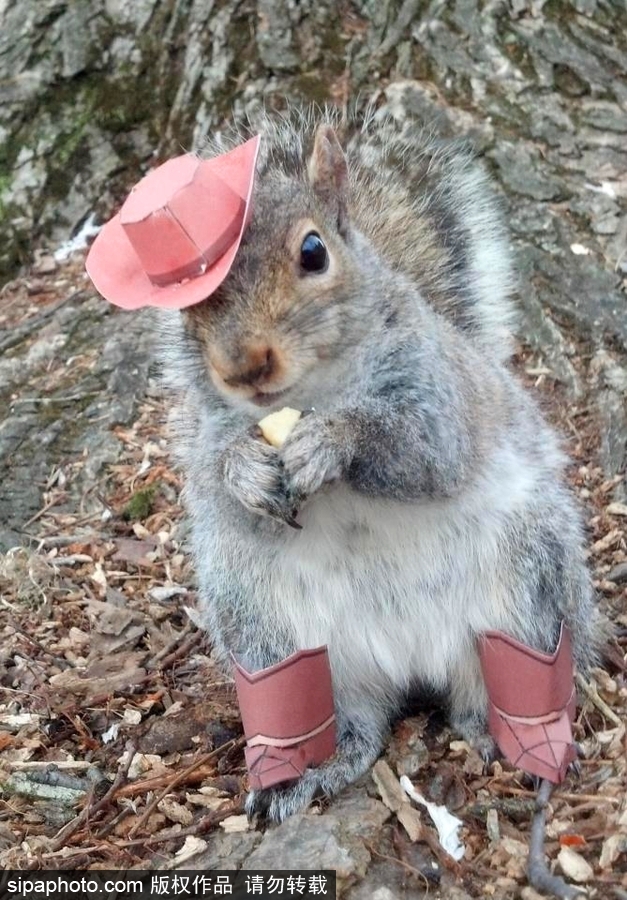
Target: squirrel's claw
(310, 456)
(286, 518)
(253, 474)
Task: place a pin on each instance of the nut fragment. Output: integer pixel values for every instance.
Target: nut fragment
(276, 426)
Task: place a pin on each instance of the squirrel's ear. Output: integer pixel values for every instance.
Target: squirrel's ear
(328, 172)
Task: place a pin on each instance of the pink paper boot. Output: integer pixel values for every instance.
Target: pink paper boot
(288, 716)
(531, 702)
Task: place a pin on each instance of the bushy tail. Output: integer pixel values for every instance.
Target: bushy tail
(429, 205)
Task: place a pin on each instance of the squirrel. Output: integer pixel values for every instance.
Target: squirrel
(373, 286)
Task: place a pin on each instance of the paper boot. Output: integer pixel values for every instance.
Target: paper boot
(288, 716)
(531, 702)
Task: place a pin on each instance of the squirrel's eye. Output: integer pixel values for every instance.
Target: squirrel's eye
(313, 253)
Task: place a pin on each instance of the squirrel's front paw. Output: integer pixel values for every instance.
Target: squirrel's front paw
(313, 454)
(253, 473)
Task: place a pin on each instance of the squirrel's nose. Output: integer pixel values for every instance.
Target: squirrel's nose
(256, 366)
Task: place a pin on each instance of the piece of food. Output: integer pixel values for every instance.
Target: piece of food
(276, 426)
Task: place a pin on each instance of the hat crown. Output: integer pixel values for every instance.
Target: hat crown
(158, 186)
(180, 219)
(176, 237)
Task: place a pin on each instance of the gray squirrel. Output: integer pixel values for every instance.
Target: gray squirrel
(372, 286)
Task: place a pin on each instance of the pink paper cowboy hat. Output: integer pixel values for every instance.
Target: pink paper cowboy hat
(175, 238)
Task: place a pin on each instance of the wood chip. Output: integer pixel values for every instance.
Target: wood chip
(411, 821)
(167, 592)
(129, 550)
(612, 848)
(605, 543)
(574, 866)
(15, 721)
(389, 787)
(146, 764)
(175, 812)
(492, 825)
(212, 802)
(616, 509)
(235, 824)
(192, 846)
(119, 672)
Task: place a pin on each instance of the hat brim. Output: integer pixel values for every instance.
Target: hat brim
(117, 273)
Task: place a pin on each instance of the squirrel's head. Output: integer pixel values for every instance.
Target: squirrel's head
(287, 306)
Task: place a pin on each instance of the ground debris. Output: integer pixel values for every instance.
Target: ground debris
(100, 659)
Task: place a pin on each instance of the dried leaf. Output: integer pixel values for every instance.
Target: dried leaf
(572, 840)
(612, 848)
(129, 550)
(176, 812)
(605, 542)
(108, 619)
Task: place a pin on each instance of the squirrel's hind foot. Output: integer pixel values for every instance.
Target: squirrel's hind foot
(278, 803)
(354, 755)
(472, 726)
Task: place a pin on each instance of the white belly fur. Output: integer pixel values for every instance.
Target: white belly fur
(397, 590)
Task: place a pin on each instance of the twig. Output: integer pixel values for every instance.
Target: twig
(571, 798)
(59, 764)
(106, 829)
(444, 858)
(177, 648)
(200, 827)
(181, 777)
(62, 540)
(58, 660)
(509, 806)
(133, 788)
(537, 870)
(400, 862)
(91, 809)
(25, 785)
(69, 398)
(44, 510)
(593, 695)
(68, 853)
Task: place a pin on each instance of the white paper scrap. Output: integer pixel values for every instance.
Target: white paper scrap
(111, 733)
(605, 187)
(80, 240)
(447, 824)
